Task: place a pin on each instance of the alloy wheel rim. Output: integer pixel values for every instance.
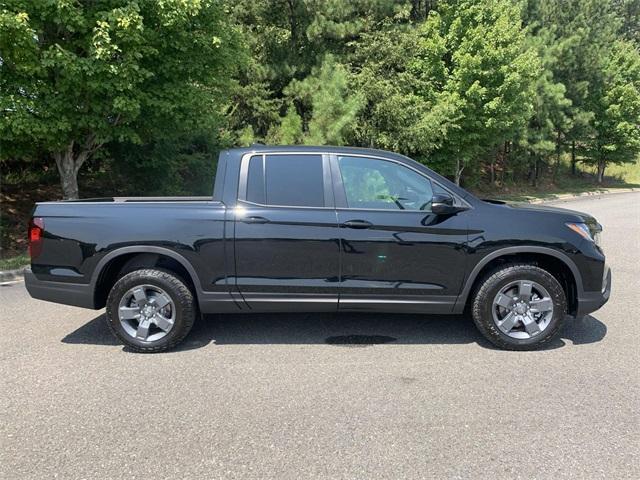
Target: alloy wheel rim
(146, 313)
(522, 309)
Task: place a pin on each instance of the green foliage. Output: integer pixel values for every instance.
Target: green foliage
(331, 108)
(401, 76)
(616, 108)
(450, 89)
(14, 263)
(628, 11)
(585, 53)
(289, 132)
(492, 77)
(497, 91)
(76, 76)
(170, 166)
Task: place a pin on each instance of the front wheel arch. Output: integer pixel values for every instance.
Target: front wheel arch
(556, 263)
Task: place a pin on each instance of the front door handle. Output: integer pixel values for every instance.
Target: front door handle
(360, 224)
(255, 219)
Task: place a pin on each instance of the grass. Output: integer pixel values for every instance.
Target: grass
(628, 172)
(14, 263)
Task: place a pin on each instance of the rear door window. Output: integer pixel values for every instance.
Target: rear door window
(255, 180)
(286, 180)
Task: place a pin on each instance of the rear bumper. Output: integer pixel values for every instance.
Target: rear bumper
(76, 294)
(592, 301)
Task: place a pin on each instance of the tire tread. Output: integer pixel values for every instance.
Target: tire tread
(180, 289)
(489, 329)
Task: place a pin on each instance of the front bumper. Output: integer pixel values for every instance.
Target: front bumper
(76, 294)
(591, 301)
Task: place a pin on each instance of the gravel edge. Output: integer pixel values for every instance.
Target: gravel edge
(570, 196)
(8, 275)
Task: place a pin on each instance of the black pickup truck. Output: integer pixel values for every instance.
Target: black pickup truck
(318, 229)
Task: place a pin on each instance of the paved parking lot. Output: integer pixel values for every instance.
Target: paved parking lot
(267, 396)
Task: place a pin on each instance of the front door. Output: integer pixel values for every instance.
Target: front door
(286, 234)
(396, 255)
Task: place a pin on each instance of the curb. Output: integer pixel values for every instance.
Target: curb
(570, 196)
(9, 275)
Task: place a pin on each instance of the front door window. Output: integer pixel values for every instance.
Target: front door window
(382, 185)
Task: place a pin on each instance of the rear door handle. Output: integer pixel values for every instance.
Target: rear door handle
(360, 224)
(255, 219)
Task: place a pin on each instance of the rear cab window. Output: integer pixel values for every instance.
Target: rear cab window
(286, 180)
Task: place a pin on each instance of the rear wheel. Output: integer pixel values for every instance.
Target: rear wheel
(150, 310)
(519, 307)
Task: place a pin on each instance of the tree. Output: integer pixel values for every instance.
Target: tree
(77, 76)
(581, 46)
(599, 72)
(289, 41)
(400, 73)
(616, 106)
(543, 136)
(331, 107)
(629, 12)
(289, 130)
(492, 76)
(450, 89)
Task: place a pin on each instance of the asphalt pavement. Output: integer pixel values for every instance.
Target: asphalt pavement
(287, 397)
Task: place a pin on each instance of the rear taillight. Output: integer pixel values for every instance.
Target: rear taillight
(36, 232)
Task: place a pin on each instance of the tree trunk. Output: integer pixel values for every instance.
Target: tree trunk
(533, 172)
(69, 163)
(601, 166)
(420, 9)
(293, 25)
(556, 167)
(415, 10)
(69, 182)
(459, 169)
(573, 158)
(492, 170)
(507, 151)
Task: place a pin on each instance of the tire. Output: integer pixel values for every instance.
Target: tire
(508, 286)
(139, 328)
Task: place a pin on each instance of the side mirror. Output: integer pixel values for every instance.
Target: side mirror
(442, 204)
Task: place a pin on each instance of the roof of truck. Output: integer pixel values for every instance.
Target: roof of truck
(258, 148)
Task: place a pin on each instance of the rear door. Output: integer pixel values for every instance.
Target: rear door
(286, 233)
(396, 254)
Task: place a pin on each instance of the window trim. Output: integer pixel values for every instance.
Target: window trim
(329, 200)
(341, 195)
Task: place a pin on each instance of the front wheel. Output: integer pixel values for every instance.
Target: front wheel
(150, 310)
(519, 307)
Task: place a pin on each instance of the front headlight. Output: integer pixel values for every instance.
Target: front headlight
(597, 238)
(592, 233)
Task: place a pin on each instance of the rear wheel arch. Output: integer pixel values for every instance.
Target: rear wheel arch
(556, 263)
(125, 260)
